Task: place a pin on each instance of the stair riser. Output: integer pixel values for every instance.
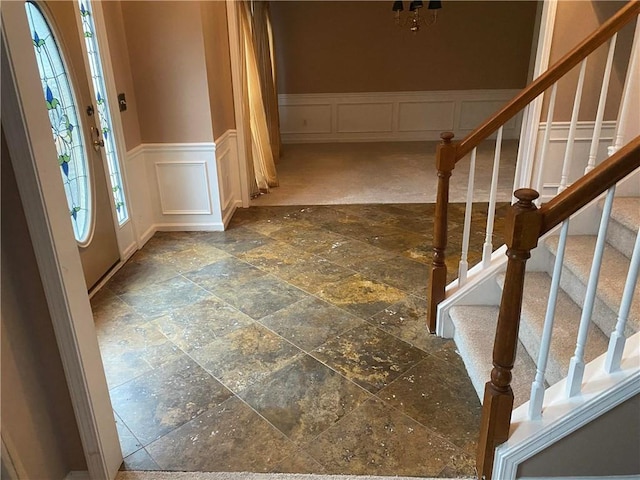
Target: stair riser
(603, 316)
(621, 238)
(530, 340)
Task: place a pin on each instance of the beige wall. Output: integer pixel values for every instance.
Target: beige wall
(167, 59)
(121, 64)
(352, 46)
(606, 447)
(37, 416)
(575, 20)
(218, 60)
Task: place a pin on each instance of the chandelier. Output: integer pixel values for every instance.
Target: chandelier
(414, 20)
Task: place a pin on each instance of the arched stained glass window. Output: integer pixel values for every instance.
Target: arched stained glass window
(102, 107)
(65, 126)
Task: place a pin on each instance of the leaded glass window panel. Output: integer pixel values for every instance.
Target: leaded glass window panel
(65, 126)
(102, 107)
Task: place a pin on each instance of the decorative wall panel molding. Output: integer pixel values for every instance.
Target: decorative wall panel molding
(183, 188)
(389, 116)
(558, 138)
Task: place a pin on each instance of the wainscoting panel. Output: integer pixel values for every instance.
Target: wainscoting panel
(474, 112)
(183, 188)
(365, 117)
(141, 209)
(389, 116)
(228, 175)
(309, 119)
(426, 116)
(556, 152)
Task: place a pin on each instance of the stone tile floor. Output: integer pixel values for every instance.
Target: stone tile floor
(292, 342)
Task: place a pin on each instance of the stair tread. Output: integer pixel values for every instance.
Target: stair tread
(475, 328)
(626, 211)
(565, 326)
(613, 273)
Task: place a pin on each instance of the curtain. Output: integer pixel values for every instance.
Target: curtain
(264, 168)
(265, 58)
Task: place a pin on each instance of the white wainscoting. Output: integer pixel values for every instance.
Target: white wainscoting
(389, 116)
(183, 186)
(558, 138)
(228, 174)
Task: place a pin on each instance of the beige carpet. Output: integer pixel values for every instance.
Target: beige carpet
(248, 476)
(389, 172)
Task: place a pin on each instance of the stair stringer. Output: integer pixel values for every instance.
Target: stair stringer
(562, 416)
(480, 289)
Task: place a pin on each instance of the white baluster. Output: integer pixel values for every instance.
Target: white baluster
(576, 366)
(464, 265)
(625, 102)
(487, 249)
(568, 153)
(545, 141)
(617, 339)
(595, 140)
(537, 387)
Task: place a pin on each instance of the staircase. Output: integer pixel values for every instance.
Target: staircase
(475, 325)
(548, 324)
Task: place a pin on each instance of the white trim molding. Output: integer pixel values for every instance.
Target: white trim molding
(78, 475)
(192, 195)
(184, 186)
(229, 176)
(561, 416)
(389, 116)
(559, 135)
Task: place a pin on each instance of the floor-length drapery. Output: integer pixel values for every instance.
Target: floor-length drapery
(261, 152)
(265, 58)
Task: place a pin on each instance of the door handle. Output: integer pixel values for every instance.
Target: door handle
(97, 141)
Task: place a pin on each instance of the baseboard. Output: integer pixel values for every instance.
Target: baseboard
(78, 475)
(189, 227)
(129, 251)
(389, 116)
(229, 211)
(146, 236)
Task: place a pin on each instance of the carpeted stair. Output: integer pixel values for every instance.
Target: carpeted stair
(475, 325)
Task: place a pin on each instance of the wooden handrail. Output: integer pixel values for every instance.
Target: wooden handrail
(551, 76)
(592, 185)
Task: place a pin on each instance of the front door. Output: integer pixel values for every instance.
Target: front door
(77, 133)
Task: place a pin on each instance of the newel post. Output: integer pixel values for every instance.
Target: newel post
(445, 162)
(522, 231)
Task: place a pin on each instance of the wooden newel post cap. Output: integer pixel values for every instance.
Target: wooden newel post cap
(447, 137)
(526, 196)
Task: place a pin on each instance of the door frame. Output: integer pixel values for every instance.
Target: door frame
(28, 135)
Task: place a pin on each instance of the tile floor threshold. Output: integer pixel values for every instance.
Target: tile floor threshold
(293, 342)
